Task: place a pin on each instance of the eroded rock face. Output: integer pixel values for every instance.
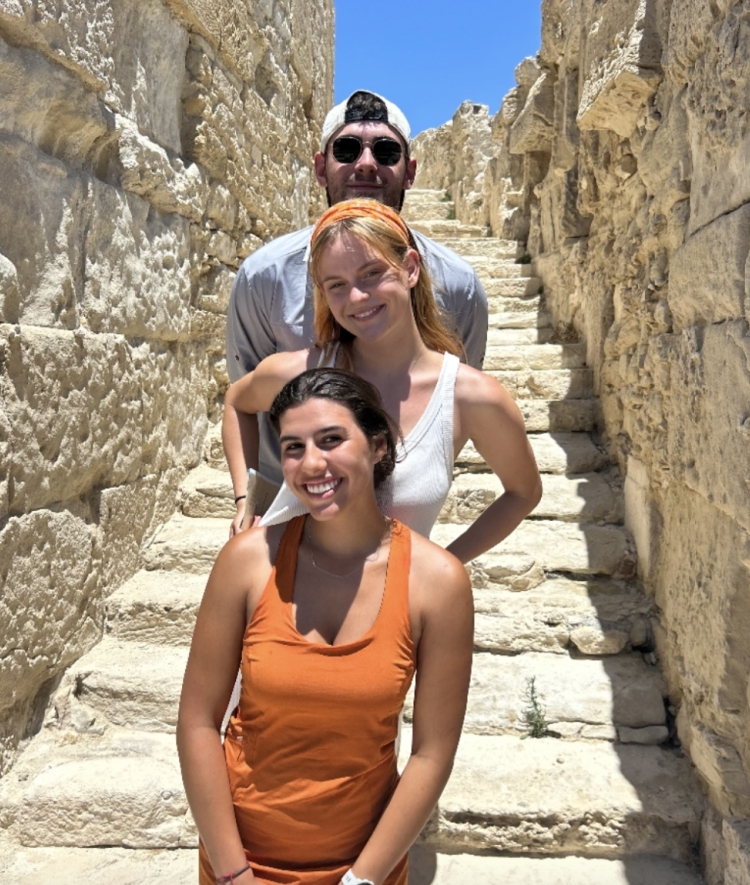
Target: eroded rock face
(624, 165)
(145, 151)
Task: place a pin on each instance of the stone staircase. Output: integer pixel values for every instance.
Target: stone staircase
(602, 799)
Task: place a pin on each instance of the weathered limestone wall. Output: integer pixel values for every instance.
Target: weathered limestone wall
(145, 150)
(625, 166)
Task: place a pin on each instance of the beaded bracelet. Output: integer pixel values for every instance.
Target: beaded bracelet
(230, 877)
(239, 498)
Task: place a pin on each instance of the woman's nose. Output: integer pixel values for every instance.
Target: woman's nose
(313, 457)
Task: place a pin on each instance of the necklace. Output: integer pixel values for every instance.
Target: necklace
(373, 557)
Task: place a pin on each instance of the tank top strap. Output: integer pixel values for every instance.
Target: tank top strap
(451, 364)
(394, 616)
(285, 564)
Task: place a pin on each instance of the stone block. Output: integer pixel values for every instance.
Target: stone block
(136, 268)
(707, 274)
(639, 512)
(133, 56)
(49, 107)
(128, 515)
(161, 178)
(715, 97)
(622, 57)
(90, 410)
(708, 382)
(650, 734)
(720, 767)
(40, 234)
(533, 128)
(49, 610)
(737, 847)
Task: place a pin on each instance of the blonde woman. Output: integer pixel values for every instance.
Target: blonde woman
(376, 316)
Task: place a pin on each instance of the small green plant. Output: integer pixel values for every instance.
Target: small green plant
(452, 213)
(446, 198)
(524, 259)
(534, 715)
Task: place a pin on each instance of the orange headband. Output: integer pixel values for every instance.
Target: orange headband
(362, 209)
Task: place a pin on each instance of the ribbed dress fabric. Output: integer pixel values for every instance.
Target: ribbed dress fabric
(418, 487)
(310, 750)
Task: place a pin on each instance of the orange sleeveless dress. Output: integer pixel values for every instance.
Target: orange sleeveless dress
(310, 749)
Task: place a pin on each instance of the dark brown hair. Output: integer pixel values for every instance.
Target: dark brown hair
(349, 390)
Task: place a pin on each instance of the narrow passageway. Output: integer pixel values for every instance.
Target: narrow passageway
(601, 799)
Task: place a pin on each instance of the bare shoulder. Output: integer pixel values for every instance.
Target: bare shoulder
(244, 564)
(474, 387)
(436, 574)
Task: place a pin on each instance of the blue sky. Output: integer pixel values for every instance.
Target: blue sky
(429, 57)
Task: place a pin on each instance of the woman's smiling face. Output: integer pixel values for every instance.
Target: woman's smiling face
(366, 295)
(326, 459)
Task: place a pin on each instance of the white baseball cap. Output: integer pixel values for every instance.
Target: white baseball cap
(350, 111)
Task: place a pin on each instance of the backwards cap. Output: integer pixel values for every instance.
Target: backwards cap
(351, 111)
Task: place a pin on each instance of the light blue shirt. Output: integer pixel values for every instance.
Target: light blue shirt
(271, 310)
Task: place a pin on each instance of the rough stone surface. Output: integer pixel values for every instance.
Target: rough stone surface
(537, 796)
(634, 210)
(429, 867)
(145, 150)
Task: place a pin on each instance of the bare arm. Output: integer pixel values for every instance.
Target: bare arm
(211, 671)
(253, 393)
(489, 417)
(443, 671)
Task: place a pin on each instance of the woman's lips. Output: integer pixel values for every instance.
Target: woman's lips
(367, 314)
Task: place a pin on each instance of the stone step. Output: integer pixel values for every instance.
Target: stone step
(541, 546)
(72, 866)
(598, 616)
(587, 498)
(594, 617)
(580, 698)
(534, 356)
(157, 607)
(471, 247)
(122, 788)
(559, 416)
(516, 337)
(440, 229)
(206, 491)
(428, 867)
(500, 287)
(548, 384)
(518, 318)
(528, 304)
(564, 453)
(434, 207)
(187, 544)
(500, 267)
(550, 797)
(130, 684)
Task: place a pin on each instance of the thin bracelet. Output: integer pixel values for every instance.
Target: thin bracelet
(239, 498)
(230, 877)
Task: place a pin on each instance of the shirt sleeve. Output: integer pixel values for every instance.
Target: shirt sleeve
(473, 323)
(249, 337)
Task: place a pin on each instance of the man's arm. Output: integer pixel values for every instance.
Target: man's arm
(472, 324)
(249, 337)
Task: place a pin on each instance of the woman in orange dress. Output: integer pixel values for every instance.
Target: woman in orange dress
(329, 616)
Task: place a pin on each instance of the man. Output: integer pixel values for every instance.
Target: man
(364, 152)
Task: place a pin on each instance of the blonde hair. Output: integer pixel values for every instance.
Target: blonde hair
(387, 240)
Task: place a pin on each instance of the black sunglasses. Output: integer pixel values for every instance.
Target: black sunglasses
(348, 149)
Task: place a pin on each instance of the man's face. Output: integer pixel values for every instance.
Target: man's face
(365, 177)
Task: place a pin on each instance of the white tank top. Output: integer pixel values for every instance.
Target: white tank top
(416, 490)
